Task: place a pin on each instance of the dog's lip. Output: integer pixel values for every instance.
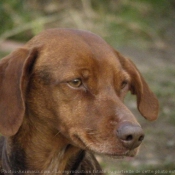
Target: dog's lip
(116, 155)
(119, 155)
(128, 153)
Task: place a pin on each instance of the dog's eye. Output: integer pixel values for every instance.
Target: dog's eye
(124, 84)
(75, 83)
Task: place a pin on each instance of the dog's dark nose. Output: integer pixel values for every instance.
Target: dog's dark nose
(130, 135)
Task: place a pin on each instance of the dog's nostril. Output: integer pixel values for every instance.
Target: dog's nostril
(141, 138)
(129, 137)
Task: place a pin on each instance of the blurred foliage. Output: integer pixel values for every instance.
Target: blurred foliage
(144, 23)
(125, 20)
(139, 19)
(13, 14)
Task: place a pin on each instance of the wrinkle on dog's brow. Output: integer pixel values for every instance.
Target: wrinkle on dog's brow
(85, 73)
(44, 76)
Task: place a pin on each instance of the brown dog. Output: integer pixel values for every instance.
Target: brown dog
(62, 99)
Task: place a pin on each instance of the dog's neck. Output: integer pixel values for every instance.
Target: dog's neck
(37, 150)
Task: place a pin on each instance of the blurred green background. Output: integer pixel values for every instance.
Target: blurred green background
(143, 30)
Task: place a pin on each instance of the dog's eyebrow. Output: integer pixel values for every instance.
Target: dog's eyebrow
(126, 76)
(46, 77)
(85, 73)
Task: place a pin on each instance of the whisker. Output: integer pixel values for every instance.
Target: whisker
(57, 133)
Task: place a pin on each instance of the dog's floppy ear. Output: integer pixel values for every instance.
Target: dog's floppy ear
(15, 70)
(147, 102)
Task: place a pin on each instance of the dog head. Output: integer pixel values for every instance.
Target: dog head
(76, 82)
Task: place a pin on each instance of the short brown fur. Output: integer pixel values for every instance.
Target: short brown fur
(50, 125)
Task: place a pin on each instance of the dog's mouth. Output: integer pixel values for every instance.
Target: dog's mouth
(128, 153)
(120, 154)
(103, 149)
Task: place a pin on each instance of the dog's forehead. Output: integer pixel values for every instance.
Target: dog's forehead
(70, 54)
(71, 49)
